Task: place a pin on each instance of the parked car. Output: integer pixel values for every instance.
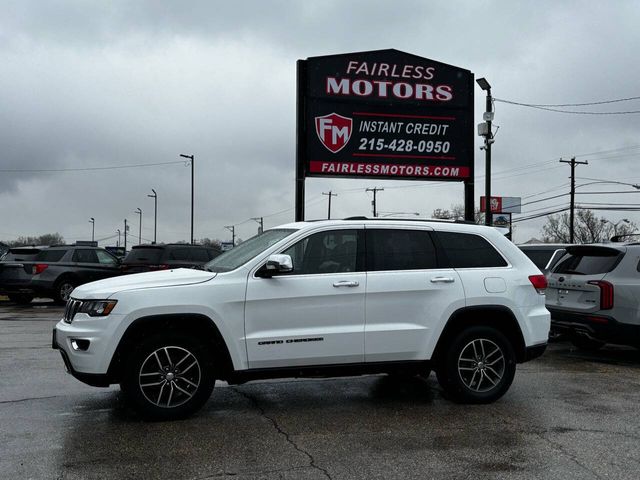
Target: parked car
(55, 271)
(594, 295)
(15, 273)
(544, 255)
(146, 258)
(292, 302)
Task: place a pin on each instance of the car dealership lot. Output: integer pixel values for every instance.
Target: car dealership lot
(568, 415)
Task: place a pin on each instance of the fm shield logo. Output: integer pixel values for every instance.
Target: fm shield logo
(334, 131)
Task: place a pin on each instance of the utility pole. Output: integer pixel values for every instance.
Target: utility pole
(118, 230)
(485, 131)
(155, 214)
(232, 229)
(139, 212)
(572, 205)
(126, 228)
(330, 194)
(93, 228)
(260, 221)
(190, 157)
(373, 202)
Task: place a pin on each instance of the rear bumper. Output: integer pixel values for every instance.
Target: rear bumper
(598, 327)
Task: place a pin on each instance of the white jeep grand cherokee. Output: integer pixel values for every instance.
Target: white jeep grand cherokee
(327, 298)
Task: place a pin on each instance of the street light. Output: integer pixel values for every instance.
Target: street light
(93, 228)
(155, 214)
(484, 129)
(139, 212)
(118, 230)
(190, 157)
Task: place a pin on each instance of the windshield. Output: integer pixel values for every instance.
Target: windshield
(232, 259)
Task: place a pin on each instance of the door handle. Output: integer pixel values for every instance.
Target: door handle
(346, 283)
(442, 280)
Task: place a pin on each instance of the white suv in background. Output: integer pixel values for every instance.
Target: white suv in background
(326, 298)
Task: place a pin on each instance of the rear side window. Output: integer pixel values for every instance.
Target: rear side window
(539, 257)
(199, 255)
(182, 254)
(50, 256)
(85, 256)
(400, 250)
(465, 250)
(588, 261)
(144, 255)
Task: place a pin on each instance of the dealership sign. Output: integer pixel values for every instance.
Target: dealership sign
(502, 204)
(385, 114)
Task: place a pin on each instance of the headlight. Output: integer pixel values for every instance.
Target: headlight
(98, 308)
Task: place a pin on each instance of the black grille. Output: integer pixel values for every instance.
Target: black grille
(73, 306)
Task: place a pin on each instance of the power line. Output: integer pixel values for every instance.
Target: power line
(602, 102)
(88, 169)
(529, 105)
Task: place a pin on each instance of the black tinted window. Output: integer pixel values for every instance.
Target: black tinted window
(465, 250)
(539, 257)
(85, 256)
(20, 254)
(181, 254)
(400, 250)
(50, 256)
(588, 262)
(326, 252)
(144, 255)
(199, 255)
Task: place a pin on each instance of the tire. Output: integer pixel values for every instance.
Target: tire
(62, 290)
(471, 376)
(168, 376)
(585, 343)
(21, 298)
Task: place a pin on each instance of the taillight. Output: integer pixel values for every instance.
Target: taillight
(539, 282)
(163, 267)
(606, 294)
(39, 268)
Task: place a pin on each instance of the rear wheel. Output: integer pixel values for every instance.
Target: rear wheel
(63, 289)
(477, 366)
(168, 376)
(21, 298)
(585, 343)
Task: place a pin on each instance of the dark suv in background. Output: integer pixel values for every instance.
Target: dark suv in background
(55, 271)
(15, 273)
(146, 258)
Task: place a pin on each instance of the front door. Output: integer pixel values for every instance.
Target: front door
(315, 314)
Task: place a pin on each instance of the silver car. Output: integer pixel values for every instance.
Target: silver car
(594, 295)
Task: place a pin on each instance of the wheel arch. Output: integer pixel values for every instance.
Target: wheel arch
(497, 316)
(201, 326)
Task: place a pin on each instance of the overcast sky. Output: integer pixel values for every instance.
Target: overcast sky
(103, 84)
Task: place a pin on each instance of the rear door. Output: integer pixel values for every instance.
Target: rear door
(409, 294)
(573, 283)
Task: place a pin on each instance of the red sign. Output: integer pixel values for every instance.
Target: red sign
(496, 204)
(334, 131)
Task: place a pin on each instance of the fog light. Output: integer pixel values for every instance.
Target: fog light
(80, 344)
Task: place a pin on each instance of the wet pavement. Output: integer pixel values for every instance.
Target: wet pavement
(568, 415)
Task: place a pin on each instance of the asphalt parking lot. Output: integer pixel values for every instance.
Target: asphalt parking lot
(567, 415)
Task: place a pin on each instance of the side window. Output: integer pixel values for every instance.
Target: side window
(84, 256)
(181, 254)
(400, 250)
(50, 255)
(334, 251)
(105, 259)
(466, 250)
(199, 255)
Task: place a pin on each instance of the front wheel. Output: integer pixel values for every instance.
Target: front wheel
(63, 289)
(477, 366)
(168, 376)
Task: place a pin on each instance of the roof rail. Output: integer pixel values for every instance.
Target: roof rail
(436, 220)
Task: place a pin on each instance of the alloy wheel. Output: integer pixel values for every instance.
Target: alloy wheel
(481, 365)
(169, 376)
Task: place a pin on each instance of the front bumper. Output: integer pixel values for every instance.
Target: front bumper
(87, 346)
(598, 327)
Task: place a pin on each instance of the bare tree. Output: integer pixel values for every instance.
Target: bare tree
(588, 228)
(46, 239)
(456, 212)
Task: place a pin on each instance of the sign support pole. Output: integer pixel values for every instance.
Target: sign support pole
(300, 139)
(469, 185)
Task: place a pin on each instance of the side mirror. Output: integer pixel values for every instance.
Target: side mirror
(278, 264)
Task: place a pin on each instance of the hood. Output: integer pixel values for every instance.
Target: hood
(166, 278)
